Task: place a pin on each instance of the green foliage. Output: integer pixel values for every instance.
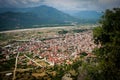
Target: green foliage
(40, 32)
(97, 34)
(108, 35)
(84, 54)
(63, 31)
(78, 30)
(7, 65)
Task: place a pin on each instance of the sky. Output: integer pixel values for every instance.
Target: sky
(63, 5)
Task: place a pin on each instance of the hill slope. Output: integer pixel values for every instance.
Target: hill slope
(28, 17)
(87, 16)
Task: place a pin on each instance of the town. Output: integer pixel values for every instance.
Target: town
(42, 50)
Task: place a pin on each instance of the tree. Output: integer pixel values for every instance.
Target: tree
(108, 35)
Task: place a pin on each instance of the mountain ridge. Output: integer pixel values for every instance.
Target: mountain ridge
(42, 15)
(15, 18)
(88, 16)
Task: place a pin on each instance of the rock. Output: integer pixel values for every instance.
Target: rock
(67, 77)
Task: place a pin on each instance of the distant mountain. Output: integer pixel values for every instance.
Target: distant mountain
(15, 18)
(12, 20)
(51, 14)
(87, 16)
(29, 17)
(3, 10)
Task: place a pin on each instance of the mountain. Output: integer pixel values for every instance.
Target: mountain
(87, 16)
(12, 20)
(52, 14)
(29, 17)
(3, 10)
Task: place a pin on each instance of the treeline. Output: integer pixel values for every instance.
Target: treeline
(108, 55)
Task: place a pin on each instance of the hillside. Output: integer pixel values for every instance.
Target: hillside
(17, 18)
(29, 17)
(87, 16)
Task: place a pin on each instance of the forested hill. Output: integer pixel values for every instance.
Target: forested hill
(42, 15)
(17, 18)
(86, 16)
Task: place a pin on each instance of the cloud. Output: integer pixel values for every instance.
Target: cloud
(19, 3)
(76, 5)
(106, 4)
(71, 4)
(64, 5)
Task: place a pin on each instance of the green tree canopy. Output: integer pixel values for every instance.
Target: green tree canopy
(108, 35)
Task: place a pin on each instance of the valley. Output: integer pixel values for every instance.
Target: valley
(45, 52)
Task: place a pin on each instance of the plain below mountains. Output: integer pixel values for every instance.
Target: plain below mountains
(16, 18)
